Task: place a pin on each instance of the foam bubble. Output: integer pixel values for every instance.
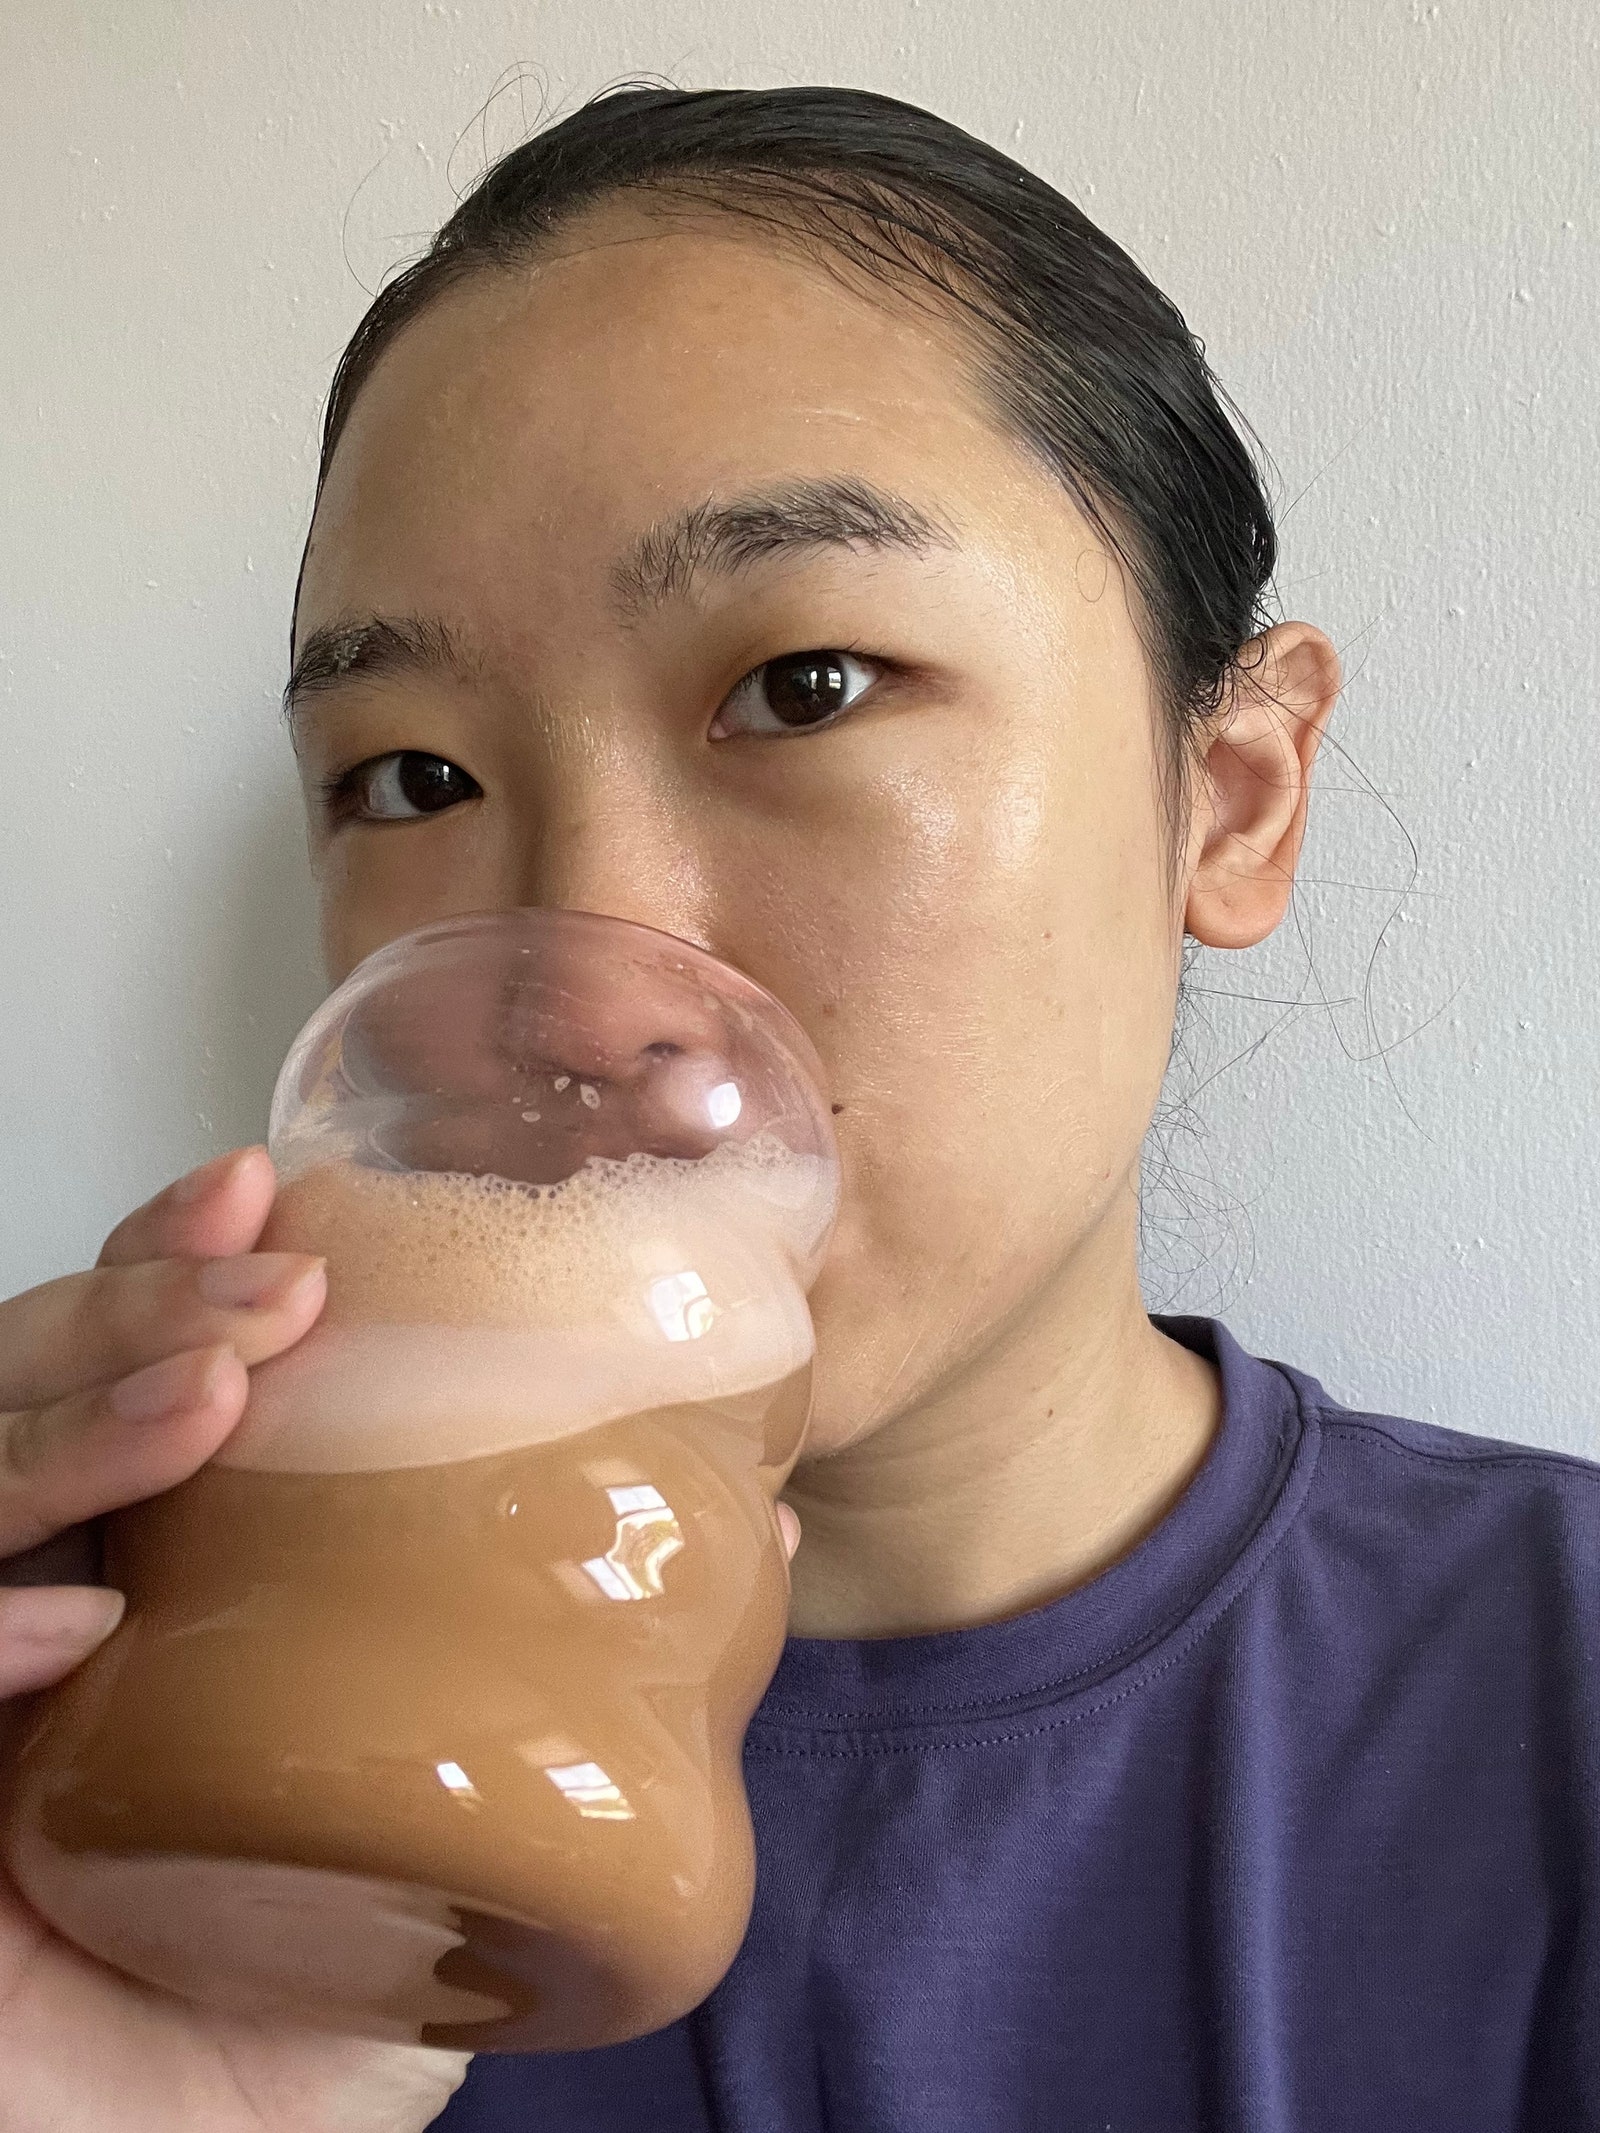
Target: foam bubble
(444, 1247)
(471, 1315)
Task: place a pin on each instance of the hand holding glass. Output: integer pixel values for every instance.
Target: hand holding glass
(424, 1719)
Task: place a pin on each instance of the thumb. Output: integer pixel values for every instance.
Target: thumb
(47, 1630)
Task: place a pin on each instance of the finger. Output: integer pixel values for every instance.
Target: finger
(99, 1450)
(88, 1329)
(789, 1524)
(220, 1208)
(47, 1630)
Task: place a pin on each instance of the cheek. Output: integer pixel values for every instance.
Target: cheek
(374, 885)
(999, 1023)
(338, 920)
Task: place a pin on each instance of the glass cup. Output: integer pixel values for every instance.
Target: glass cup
(425, 1716)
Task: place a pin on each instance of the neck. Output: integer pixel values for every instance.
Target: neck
(1049, 1456)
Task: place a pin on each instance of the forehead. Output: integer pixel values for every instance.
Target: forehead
(648, 360)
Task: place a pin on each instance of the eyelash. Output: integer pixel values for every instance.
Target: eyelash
(340, 790)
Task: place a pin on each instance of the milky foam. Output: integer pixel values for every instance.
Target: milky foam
(468, 1316)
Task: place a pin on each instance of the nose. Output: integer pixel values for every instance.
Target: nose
(609, 1003)
(621, 844)
(638, 1028)
(619, 835)
(574, 1037)
(503, 1045)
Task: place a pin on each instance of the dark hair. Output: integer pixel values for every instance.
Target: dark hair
(1084, 360)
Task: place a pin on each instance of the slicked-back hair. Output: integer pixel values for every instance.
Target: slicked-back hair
(1080, 357)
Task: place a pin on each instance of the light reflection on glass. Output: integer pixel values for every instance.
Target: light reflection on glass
(724, 1104)
(590, 1791)
(648, 1536)
(682, 1308)
(455, 1781)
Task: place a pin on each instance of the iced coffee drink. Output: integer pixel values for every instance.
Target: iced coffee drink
(424, 1720)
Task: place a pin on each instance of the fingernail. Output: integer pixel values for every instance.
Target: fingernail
(258, 1278)
(789, 1527)
(175, 1383)
(76, 1616)
(208, 1176)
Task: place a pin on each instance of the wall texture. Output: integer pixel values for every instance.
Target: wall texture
(1380, 1160)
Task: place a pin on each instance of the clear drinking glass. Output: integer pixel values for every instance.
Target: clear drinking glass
(425, 1716)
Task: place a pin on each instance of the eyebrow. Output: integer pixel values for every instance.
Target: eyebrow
(666, 562)
(379, 646)
(711, 538)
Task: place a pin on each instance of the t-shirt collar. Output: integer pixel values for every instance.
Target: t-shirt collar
(1253, 1475)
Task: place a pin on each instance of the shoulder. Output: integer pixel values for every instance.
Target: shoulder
(1460, 1463)
(1513, 1525)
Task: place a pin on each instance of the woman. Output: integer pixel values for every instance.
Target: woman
(779, 518)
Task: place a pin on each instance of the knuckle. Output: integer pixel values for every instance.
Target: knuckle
(24, 1443)
(135, 1236)
(117, 1237)
(107, 1322)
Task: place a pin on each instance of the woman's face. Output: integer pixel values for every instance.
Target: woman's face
(908, 785)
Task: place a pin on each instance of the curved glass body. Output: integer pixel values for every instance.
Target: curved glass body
(424, 1719)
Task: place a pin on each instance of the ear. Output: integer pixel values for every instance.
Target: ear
(1250, 801)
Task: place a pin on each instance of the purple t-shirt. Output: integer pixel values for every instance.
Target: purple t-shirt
(1289, 1822)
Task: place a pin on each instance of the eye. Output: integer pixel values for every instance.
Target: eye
(794, 694)
(401, 787)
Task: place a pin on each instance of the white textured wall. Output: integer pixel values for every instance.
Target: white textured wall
(1380, 216)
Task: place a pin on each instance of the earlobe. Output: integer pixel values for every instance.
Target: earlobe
(1252, 795)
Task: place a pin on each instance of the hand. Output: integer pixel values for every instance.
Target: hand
(114, 1385)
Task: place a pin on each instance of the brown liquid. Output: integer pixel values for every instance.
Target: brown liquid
(310, 1774)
